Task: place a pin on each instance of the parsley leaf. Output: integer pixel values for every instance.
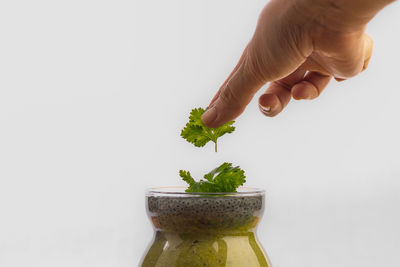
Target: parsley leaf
(224, 178)
(198, 134)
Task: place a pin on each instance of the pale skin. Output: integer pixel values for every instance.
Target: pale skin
(298, 46)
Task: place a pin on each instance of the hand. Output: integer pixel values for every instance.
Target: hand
(299, 46)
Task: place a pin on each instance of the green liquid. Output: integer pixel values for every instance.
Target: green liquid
(233, 249)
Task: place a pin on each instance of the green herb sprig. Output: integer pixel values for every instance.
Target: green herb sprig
(224, 178)
(198, 134)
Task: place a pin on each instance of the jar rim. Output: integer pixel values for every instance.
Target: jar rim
(180, 191)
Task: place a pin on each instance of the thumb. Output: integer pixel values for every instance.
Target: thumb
(233, 96)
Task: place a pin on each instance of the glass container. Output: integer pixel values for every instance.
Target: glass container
(204, 229)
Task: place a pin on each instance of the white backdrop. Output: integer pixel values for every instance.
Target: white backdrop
(93, 95)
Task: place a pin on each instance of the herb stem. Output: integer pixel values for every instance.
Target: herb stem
(215, 146)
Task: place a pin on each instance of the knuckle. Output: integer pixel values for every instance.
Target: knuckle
(254, 66)
(230, 99)
(283, 84)
(228, 96)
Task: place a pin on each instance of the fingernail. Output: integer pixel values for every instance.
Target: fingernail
(265, 108)
(209, 116)
(302, 96)
(339, 79)
(308, 96)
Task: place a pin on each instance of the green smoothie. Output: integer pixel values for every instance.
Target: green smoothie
(214, 230)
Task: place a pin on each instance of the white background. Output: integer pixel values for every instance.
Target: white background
(93, 95)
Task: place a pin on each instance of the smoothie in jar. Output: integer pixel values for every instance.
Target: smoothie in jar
(205, 229)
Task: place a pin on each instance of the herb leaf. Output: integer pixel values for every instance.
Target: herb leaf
(224, 178)
(187, 177)
(198, 134)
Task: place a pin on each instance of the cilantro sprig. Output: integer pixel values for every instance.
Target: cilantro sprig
(198, 134)
(224, 178)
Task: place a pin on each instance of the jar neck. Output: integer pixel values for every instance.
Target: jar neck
(203, 236)
(210, 232)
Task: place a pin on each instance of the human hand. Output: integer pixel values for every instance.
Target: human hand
(299, 46)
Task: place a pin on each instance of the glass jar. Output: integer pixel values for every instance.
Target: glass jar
(204, 229)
